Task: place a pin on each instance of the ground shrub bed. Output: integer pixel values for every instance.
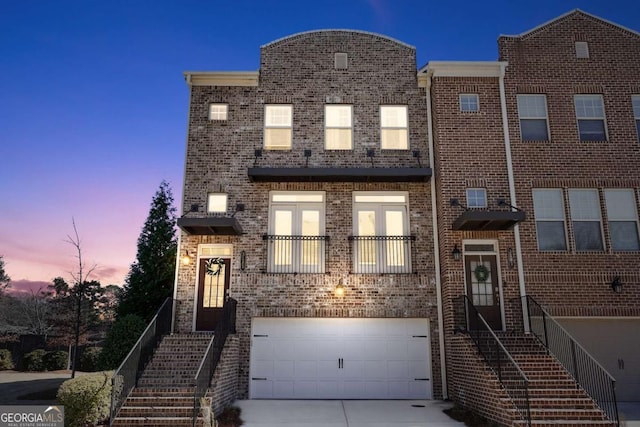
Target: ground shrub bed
(89, 359)
(33, 361)
(86, 399)
(6, 361)
(55, 360)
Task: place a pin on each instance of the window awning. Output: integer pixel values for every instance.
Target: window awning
(210, 226)
(330, 174)
(476, 220)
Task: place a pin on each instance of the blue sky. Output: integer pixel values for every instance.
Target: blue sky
(93, 103)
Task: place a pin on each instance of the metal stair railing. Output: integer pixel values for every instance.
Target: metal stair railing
(586, 371)
(125, 378)
(468, 320)
(211, 358)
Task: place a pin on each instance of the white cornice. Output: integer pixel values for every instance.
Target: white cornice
(221, 78)
(464, 68)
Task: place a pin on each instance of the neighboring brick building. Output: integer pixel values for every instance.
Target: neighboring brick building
(314, 176)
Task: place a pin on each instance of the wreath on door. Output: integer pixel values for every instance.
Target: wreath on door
(214, 266)
(481, 272)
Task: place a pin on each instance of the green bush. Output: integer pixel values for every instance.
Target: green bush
(86, 399)
(33, 361)
(89, 359)
(120, 340)
(6, 361)
(55, 360)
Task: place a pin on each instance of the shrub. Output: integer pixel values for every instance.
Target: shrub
(86, 399)
(89, 359)
(120, 340)
(33, 361)
(6, 361)
(55, 360)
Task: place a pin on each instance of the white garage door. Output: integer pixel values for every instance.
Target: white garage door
(337, 358)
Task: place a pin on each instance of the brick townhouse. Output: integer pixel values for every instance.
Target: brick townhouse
(390, 232)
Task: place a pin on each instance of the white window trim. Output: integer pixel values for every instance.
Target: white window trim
(476, 96)
(603, 118)
(226, 111)
(635, 212)
(600, 220)
(484, 190)
(290, 127)
(406, 128)
(564, 220)
(522, 117)
(326, 127)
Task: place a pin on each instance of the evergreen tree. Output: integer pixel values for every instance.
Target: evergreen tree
(4, 277)
(150, 280)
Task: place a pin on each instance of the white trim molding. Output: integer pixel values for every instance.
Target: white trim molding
(221, 78)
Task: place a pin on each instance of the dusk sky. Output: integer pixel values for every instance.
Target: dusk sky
(93, 104)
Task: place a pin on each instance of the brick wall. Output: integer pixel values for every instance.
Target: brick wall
(224, 384)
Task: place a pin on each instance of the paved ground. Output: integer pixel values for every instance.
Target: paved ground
(15, 384)
(345, 413)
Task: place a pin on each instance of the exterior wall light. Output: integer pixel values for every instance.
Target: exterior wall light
(616, 285)
(339, 291)
(186, 259)
(455, 253)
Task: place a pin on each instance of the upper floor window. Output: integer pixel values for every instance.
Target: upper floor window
(586, 219)
(469, 103)
(636, 111)
(340, 61)
(590, 114)
(582, 50)
(277, 127)
(622, 215)
(476, 198)
(381, 241)
(393, 127)
(296, 241)
(217, 203)
(532, 110)
(338, 128)
(218, 111)
(548, 209)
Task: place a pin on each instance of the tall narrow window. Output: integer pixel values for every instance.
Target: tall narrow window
(469, 103)
(636, 112)
(532, 110)
(586, 219)
(550, 223)
(622, 215)
(277, 127)
(393, 127)
(338, 127)
(381, 243)
(218, 111)
(590, 114)
(296, 243)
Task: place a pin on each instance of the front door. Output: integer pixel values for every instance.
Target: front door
(483, 289)
(213, 283)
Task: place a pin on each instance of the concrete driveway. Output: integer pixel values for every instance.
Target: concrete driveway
(15, 384)
(345, 413)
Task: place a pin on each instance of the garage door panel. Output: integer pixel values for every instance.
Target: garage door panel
(338, 358)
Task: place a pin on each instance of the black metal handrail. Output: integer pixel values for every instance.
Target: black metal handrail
(382, 254)
(225, 326)
(468, 320)
(587, 372)
(126, 376)
(295, 254)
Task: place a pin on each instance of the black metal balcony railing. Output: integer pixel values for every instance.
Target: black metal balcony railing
(382, 254)
(468, 320)
(587, 372)
(295, 254)
(211, 358)
(126, 376)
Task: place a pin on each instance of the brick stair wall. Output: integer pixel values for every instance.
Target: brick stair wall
(555, 398)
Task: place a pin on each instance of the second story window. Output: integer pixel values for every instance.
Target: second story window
(217, 203)
(476, 198)
(381, 241)
(586, 220)
(636, 112)
(469, 103)
(623, 219)
(548, 209)
(338, 127)
(277, 127)
(218, 112)
(590, 115)
(532, 111)
(296, 241)
(393, 127)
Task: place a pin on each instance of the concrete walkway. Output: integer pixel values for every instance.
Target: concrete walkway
(345, 413)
